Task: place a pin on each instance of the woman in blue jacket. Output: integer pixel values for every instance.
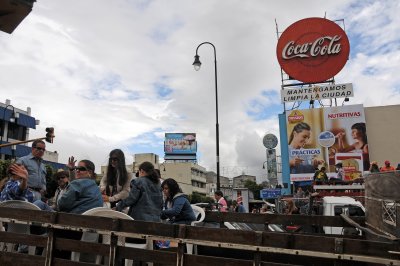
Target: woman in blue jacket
(177, 207)
(145, 198)
(82, 194)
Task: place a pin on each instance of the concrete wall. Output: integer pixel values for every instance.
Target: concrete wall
(191, 177)
(383, 131)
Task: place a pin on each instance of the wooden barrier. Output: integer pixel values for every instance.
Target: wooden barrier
(217, 246)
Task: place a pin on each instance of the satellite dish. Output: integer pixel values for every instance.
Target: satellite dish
(270, 141)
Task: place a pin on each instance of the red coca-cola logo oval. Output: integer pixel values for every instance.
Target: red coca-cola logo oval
(313, 50)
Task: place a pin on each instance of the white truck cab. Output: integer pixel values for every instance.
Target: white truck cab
(333, 206)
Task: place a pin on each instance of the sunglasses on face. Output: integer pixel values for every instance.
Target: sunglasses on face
(80, 168)
(40, 149)
(114, 159)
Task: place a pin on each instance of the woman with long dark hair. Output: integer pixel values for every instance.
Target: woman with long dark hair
(177, 207)
(360, 145)
(115, 182)
(145, 198)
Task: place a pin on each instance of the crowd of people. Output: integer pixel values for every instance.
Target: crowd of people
(145, 198)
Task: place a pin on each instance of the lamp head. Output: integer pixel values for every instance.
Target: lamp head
(14, 117)
(196, 63)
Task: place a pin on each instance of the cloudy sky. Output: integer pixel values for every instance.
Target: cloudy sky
(118, 74)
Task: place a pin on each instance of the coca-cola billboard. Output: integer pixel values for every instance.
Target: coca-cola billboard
(313, 50)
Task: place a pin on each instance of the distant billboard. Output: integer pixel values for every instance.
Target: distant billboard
(180, 143)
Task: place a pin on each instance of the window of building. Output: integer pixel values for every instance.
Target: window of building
(2, 127)
(16, 132)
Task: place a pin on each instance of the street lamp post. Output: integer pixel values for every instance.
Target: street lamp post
(12, 120)
(197, 65)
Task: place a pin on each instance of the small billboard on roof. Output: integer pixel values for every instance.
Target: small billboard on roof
(180, 143)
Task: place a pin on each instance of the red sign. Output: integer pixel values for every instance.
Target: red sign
(313, 50)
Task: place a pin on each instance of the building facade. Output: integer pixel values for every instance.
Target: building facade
(15, 124)
(239, 181)
(191, 177)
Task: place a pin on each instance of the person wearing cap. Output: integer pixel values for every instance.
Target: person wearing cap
(387, 167)
(62, 178)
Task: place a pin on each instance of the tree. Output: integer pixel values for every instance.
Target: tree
(4, 164)
(196, 197)
(253, 187)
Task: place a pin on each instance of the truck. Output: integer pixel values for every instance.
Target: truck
(335, 206)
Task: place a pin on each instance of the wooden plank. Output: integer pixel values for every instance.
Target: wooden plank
(149, 228)
(81, 246)
(157, 256)
(63, 262)
(221, 235)
(9, 258)
(30, 240)
(317, 220)
(27, 215)
(199, 260)
(93, 222)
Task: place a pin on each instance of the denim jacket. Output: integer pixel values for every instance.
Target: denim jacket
(145, 200)
(181, 211)
(81, 195)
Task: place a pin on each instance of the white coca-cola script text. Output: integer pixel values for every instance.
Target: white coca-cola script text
(312, 49)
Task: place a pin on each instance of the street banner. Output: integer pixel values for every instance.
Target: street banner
(270, 193)
(316, 93)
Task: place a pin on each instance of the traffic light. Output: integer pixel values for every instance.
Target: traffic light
(49, 134)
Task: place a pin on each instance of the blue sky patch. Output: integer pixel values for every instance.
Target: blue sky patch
(161, 33)
(162, 90)
(265, 106)
(148, 142)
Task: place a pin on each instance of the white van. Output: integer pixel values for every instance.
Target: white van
(334, 206)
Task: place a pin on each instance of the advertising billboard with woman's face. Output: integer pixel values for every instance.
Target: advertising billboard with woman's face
(180, 143)
(326, 137)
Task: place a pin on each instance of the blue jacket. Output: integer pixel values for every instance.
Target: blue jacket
(145, 200)
(181, 211)
(80, 195)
